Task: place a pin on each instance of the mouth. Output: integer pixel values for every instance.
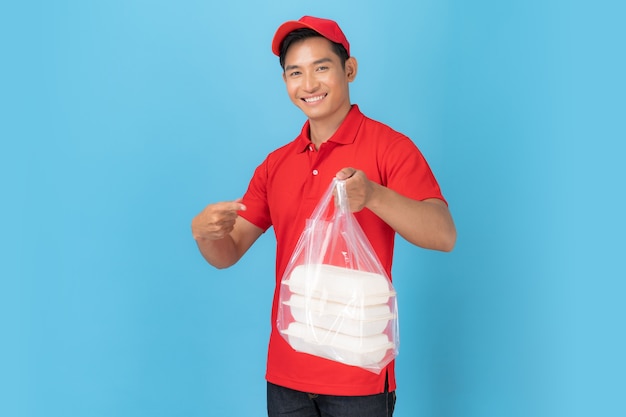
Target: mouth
(314, 99)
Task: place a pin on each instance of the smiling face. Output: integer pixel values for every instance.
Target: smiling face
(317, 82)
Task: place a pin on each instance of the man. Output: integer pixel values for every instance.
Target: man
(390, 188)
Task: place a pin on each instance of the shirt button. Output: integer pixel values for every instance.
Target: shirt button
(315, 172)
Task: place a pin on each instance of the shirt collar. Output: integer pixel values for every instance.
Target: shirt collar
(345, 135)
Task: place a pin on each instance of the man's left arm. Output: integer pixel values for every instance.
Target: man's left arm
(426, 223)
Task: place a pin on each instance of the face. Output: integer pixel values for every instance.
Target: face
(316, 80)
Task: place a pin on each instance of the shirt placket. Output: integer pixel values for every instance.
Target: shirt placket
(316, 158)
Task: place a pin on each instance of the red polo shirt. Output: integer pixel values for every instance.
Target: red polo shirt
(283, 192)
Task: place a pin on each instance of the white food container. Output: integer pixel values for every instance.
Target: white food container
(357, 351)
(353, 320)
(342, 285)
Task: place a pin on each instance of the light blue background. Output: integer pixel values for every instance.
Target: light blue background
(120, 120)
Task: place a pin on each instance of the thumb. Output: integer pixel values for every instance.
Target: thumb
(345, 173)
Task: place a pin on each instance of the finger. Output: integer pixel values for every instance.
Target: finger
(345, 173)
(240, 205)
(230, 206)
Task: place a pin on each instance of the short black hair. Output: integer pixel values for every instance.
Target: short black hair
(301, 34)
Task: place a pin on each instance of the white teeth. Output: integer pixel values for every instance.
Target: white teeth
(314, 99)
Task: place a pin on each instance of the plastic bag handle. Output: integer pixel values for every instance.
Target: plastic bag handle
(341, 196)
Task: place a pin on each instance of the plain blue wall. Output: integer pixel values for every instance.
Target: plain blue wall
(120, 120)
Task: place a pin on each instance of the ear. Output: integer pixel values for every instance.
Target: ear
(351, 68)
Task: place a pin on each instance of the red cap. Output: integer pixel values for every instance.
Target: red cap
(325, 27)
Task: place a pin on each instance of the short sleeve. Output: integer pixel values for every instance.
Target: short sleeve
(406, 171)
(255, 199)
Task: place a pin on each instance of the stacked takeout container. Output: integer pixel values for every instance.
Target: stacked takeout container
(341, 314)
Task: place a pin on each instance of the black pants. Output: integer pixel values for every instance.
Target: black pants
(285, 402)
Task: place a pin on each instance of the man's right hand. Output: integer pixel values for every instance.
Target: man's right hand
(216, 220)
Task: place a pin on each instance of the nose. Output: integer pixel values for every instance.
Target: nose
(310, 82)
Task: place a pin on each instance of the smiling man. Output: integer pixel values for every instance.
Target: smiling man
(317, 80)
(390, 188)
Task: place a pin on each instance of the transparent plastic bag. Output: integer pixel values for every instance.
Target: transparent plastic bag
(336, 300)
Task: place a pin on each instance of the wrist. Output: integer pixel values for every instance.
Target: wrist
(376, 196)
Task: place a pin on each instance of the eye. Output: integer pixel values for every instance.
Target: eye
(322, 68)
(294, 73)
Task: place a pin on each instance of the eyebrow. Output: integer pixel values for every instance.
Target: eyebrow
(319, 61)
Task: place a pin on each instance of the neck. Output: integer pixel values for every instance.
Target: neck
(322, 130)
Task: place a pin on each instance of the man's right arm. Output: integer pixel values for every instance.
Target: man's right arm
(222, 235)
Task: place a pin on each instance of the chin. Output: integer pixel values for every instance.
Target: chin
(314, 113)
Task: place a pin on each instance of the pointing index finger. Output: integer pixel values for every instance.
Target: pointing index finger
(239, 206)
